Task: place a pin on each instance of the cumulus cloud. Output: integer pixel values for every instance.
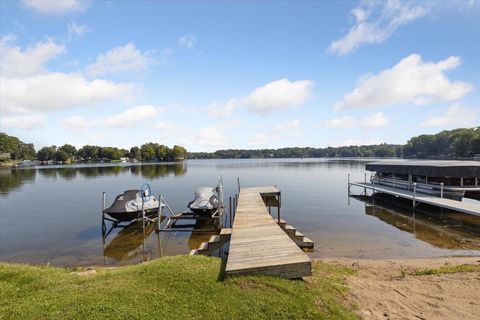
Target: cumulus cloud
(376, 120)
(15, 62)
(276, 95)
(375, 21)
(126, 119)
(133, 116)
(27, 85)
(455, 116)
(282, 131)
(210, 137)
(409, 81)
(23, 122)
(260, 139)
(58, 91)
(125, 58)
(56, 7)
(188, 41)
(355, 142)
(77, 30)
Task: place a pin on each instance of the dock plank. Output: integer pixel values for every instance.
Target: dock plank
(258, 245)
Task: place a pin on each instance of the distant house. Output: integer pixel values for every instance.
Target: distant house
(5, 156)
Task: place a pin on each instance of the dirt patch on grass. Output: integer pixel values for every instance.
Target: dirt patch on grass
(397, 289)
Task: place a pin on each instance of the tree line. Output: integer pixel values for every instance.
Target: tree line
(461, 143)
(19, 150)
(448, 144)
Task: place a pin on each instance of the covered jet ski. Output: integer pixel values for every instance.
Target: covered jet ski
(205, 202)
(129, 205)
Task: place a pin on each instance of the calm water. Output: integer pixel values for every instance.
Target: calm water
(53, 215)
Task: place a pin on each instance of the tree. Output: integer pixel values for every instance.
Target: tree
(70, 150)
(88, 152)
(179, 153)
(47, 153)
(61, 155)
(17, 148)
(135, 153)
(148, 151)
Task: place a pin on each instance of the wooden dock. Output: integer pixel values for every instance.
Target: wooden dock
(258, 245)
(461, 206)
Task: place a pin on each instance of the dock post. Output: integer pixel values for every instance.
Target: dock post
(414, 193)
(441, 189)
(238, 183)
(365, 181)
(230, 202)
(279, 205)
(159, 211)
(349, 184)
(104, 227)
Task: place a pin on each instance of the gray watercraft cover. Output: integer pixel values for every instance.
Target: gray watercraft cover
(431, 168)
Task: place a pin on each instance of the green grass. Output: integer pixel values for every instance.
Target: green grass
(448, 269)
(181, 287)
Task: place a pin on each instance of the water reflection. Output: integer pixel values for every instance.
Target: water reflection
(439, 227)
(12, 179)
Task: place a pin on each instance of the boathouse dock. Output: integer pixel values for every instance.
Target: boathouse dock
(415, 197)
(258, 245)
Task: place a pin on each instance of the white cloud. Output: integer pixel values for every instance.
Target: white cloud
(260, 139)
(24, 122)
(77, 30)
(409, 81)
(129, 118)
(27, 86)
(133, 116)
(280, 131)
(375, 21)
(77, 123)
(57, 91)
(210, 137)
(188, 41)
(376, 120)
(56, 7)
(355, 142)
(455, 116)
(289, 125)
(276, 95)
(125, 58)
(17, 63)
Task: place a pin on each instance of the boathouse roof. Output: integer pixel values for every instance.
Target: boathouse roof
(431, 168)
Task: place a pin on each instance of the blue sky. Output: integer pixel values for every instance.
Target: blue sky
(215, 75)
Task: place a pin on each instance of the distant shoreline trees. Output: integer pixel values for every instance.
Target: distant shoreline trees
(18, 150)
(449, 144)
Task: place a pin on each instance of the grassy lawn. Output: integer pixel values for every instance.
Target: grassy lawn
(180, 287)
(448, 269)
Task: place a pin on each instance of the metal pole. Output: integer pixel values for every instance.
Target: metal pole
(349, 184)
(365, 181)
(230, 202)
(414, 193)
(103, 201)
(160, 211)
(279, 205)
(238, 183)
(441, 189)
(394, 181)
(476, 182)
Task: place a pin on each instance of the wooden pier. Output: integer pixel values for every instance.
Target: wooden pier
(417, 197)
(258, 245)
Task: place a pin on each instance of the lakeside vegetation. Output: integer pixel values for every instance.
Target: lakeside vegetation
(180, 287)
(15, 149)
(461, 143)
(448, 144)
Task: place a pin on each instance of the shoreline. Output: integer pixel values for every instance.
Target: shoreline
(415, 288)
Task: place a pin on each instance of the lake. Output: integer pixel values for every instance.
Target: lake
(53, 214)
